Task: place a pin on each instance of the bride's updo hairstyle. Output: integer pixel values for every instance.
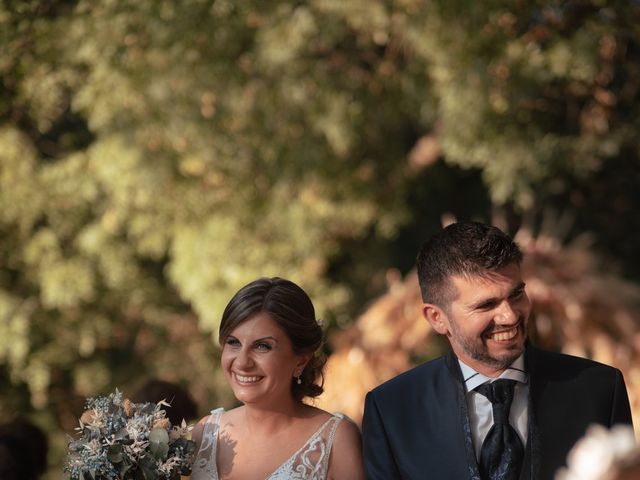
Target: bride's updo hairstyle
(291, 308)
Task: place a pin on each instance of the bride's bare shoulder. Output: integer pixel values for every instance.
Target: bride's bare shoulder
(346, 454)
(233, 413)
(315, 414)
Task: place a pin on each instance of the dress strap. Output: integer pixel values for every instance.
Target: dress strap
(204, 465)
(333, 423)
(215, 415)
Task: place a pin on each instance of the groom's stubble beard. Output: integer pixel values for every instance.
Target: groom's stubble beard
(476, 348)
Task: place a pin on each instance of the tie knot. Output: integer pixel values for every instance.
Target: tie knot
(500, 394)
(500, 391)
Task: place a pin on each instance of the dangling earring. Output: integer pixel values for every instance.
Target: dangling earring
(299, 380)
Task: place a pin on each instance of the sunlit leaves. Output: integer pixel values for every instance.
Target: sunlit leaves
(157, 155)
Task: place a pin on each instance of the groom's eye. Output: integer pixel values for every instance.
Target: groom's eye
(518, 293)
(488, 305)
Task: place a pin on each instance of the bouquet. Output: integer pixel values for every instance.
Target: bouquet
(121, 440)
(602, 454)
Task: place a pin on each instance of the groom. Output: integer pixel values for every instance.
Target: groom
(495, 407)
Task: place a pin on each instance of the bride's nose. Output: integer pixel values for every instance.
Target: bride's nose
(243, 359)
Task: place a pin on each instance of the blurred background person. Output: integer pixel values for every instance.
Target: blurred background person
(23, 450)
(182, 405)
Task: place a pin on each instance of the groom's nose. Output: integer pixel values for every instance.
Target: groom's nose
(506, 315)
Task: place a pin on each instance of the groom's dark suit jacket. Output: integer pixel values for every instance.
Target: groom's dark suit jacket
(416, 425)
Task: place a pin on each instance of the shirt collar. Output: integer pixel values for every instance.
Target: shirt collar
(515, 371)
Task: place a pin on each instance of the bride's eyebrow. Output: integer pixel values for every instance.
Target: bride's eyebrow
(265, 338)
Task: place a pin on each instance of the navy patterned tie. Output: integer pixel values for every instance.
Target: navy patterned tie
(502, 451)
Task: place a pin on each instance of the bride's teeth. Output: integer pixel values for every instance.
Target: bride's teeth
(247, 379)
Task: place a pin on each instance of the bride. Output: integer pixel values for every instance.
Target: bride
(270, 356)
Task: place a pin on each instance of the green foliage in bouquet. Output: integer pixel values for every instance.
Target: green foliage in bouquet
(122, 440)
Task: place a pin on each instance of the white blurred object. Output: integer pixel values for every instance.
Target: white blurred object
(600, 454)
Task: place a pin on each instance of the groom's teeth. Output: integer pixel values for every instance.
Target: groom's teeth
(502, 336)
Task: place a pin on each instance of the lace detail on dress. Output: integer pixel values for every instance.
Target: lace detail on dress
(310, 462)
(204, 465)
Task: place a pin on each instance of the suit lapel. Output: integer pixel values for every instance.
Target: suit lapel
(463, 413)
(531, 464)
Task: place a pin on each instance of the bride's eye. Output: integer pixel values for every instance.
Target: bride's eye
(263, 346)
(232, 342)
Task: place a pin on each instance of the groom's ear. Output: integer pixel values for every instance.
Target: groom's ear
(436, 318)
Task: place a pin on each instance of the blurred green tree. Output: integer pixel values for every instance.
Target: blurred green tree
(155, 156)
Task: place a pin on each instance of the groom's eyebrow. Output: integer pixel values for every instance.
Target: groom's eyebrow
(485, 302)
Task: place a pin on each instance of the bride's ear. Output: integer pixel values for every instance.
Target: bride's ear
(436, 318)
(301, 362)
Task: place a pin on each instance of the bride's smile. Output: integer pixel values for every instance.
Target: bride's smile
(246, 380)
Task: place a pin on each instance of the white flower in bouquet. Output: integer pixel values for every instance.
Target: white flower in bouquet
(600, 454)
(121, 440)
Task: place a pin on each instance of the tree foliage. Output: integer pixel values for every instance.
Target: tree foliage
(156, 155)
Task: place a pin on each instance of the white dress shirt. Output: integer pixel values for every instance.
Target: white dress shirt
(480, 409)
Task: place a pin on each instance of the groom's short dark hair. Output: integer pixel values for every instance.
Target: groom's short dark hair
(463, 248)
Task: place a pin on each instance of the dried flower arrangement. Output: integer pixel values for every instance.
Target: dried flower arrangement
(121, 440)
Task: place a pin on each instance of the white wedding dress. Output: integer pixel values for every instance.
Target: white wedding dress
(310, 462)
